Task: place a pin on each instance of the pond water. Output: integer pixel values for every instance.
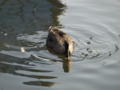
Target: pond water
(94, 28)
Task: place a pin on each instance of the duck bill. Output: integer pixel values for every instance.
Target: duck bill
(67, 57)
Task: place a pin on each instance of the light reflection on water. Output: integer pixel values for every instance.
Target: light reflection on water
(95, 33)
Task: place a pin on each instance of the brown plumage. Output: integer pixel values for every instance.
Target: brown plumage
(59, 42)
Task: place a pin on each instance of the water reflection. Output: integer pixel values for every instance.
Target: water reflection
(40, 83)
(65, 63)
(13, 65)
(26, 17)
(66, 66)
(23, 23)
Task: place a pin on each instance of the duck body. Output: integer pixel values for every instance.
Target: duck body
(59, 42)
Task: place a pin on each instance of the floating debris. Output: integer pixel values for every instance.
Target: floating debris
(109, 53)
(95, 50)
(88, 42)
(91, 37)
(88, 49)
(109, 62)
(22, 49)
(5, 34)
(116, 47)
(85, 54)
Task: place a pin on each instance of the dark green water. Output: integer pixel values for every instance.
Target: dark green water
(94, 28)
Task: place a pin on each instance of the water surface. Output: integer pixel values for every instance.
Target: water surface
(95, 31)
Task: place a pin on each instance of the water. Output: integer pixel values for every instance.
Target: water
(94, 28)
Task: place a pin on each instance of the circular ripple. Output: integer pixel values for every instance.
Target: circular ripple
(90, 43)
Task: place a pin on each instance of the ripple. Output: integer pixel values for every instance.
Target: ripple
(92, 43)
(89, 43)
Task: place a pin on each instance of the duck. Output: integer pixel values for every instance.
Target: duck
(59, 42)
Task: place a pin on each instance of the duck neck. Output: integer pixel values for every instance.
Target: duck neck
(66, 49)
(66, 54)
